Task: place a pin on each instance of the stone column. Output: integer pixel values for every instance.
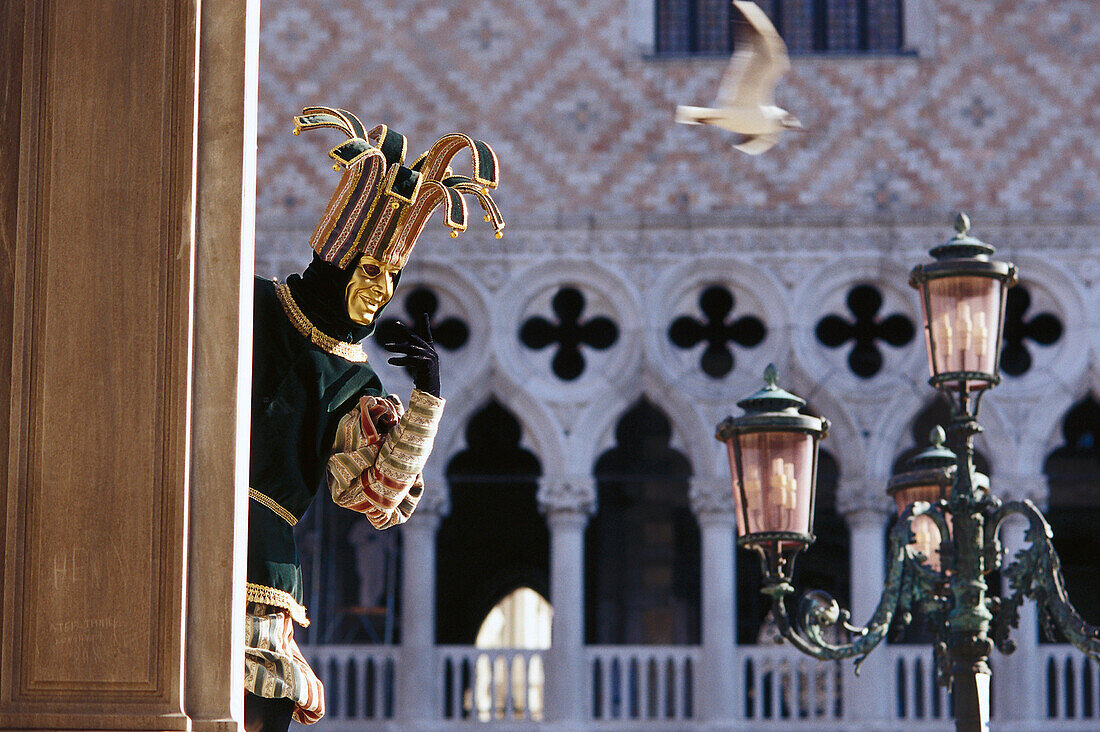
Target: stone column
(126, 200)
(568, 503)
(867, 696)
(718, 687)
(224, 232)
(1019, 678)
(418, 674)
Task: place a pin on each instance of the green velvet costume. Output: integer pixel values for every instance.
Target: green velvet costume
(299, 394)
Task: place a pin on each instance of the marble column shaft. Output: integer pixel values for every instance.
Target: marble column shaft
(867, 696)
(568, 504)
(417, 673)
(718, 688)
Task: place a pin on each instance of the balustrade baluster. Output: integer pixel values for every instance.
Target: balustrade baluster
(775, 682)
(509, 701)
(338, 689)
(833, 693)
(362, 680)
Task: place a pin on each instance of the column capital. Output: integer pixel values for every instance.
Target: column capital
(873, 516)
(863, 501)
(711, 498)
(436, 499)
(567, 494)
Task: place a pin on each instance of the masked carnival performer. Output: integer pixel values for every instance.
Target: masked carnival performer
(319, 411)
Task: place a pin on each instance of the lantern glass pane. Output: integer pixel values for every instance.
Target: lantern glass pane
(963, 320)
(777, 482)
(927, 540)
(930, 492)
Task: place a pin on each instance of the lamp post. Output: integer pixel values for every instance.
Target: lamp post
(946, 540)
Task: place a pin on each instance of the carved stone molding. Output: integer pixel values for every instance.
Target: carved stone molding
(559, 494)
(436, 500)
(868, 517)
(711, 497)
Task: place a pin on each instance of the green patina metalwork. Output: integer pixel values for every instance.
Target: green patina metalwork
(968, 623)
(819, 616)
(1036, 573)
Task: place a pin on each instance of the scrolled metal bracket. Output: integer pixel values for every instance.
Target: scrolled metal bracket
(1036, 573)
(819, 616)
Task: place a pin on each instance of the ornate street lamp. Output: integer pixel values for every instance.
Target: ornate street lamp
(946, 539)
(773, 461)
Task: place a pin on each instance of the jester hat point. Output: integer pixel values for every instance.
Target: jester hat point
(381, 205)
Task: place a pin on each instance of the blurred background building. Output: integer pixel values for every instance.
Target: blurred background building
(570, 563)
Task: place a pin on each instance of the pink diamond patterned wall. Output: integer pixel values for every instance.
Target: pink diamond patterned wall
(999, 110)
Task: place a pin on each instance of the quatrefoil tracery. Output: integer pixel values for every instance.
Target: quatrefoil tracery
(717, 304)
(569, 333)
(865, 329)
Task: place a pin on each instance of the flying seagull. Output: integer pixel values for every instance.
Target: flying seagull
(746, 99)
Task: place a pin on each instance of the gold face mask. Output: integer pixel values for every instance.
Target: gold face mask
(370, 287)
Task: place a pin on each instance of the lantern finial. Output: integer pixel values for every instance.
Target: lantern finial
(771, 376)
(937, 436)
(962, 224)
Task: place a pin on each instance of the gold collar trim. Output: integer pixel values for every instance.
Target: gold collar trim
(347, 351)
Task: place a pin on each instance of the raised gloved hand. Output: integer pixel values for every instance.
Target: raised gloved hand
(418, 353)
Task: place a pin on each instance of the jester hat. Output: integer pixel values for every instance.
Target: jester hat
(381, 205)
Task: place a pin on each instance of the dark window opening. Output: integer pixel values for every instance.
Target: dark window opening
(642, 548)
(1073, 472)
(701, 27)
(494, 541)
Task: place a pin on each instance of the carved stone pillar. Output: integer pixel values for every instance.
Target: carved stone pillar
(1018, 678)
(568, 503)
(126, 203)
(418, 673)
(867, 696)
(718, 680)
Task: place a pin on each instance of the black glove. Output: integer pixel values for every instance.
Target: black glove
(419, 354)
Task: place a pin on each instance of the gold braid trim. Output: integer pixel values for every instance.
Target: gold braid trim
(325, 342)
(277, 598)
(268, 501)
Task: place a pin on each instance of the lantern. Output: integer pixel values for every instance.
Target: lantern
(773, 463)
(929, 479)
(963, 300)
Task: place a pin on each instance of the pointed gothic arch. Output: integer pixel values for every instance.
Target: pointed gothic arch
(642, 548)
(1073, 473)
(494, 540)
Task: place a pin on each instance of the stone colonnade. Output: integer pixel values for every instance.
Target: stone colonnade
(568, 502)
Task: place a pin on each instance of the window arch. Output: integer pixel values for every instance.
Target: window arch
(493, 483)
(642, 548)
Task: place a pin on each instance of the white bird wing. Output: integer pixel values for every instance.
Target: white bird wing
(757, 144)
(759, 60)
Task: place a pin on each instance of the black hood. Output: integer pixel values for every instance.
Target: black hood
(320, 292)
